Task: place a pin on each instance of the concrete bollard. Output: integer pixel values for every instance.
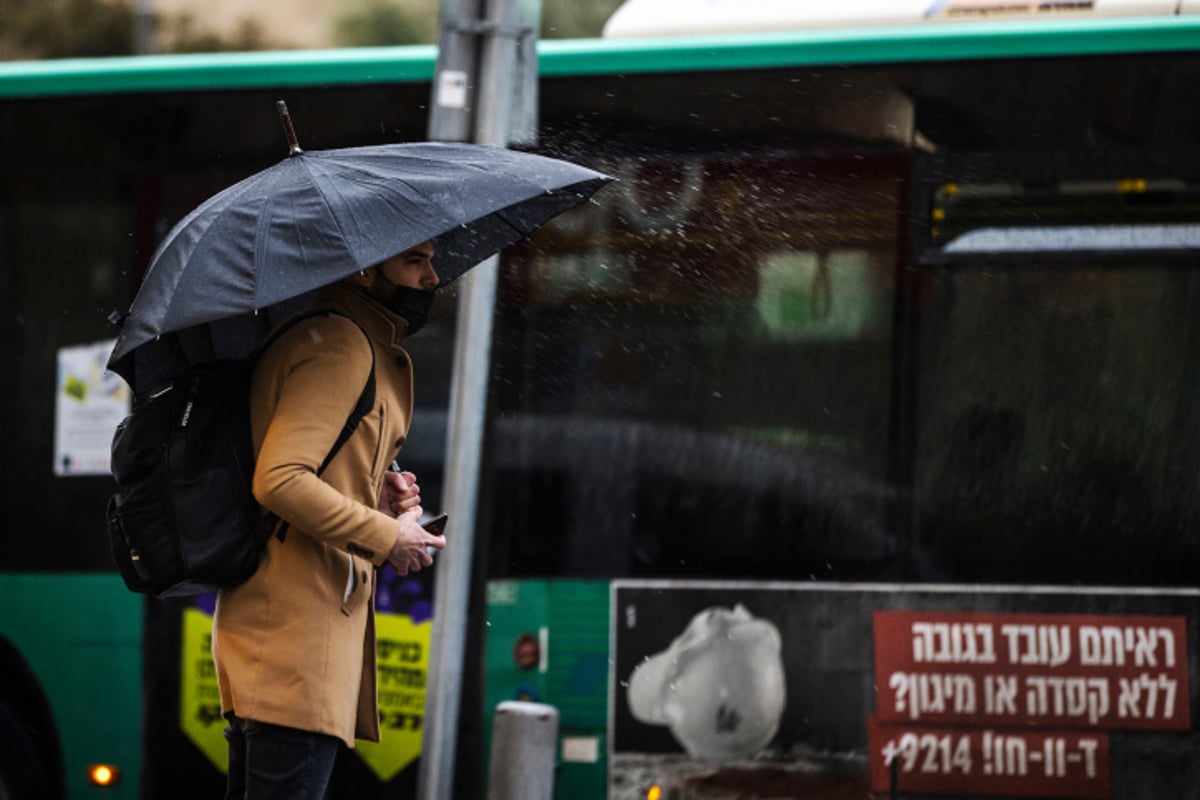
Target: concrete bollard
(524, 745)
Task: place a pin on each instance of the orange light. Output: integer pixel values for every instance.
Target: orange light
(104, 774)
(655, 793)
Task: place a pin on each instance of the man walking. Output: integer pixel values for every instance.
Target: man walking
(295, 644)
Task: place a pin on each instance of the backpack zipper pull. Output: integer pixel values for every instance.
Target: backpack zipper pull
(191, 401)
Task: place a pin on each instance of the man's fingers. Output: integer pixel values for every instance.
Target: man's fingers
(405, 482)
(401, 504)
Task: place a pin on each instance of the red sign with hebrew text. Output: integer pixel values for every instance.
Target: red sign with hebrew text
(1062, 671)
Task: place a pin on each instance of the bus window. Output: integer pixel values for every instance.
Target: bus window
(1058, 371)
(697, 377)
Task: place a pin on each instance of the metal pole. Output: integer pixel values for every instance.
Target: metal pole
(524, 745)
(497, 67)
(451, 111)
(469, 379)
(452, 586)
(454, 81)
(143, 30)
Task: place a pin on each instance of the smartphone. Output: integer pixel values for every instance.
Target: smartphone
(436, 526)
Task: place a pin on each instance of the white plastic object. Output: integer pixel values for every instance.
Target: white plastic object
(720, 686)
(639, 18)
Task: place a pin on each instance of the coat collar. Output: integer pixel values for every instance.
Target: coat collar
(381, 325)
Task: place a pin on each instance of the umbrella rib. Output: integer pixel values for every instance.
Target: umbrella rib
(316, 184)
(370, 178)
(312, 178)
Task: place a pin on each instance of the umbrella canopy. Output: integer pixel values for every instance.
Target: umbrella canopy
(317, 217)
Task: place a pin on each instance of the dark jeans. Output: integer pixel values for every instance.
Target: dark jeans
(269, 762)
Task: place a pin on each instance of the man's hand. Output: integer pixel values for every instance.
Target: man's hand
(410, 552)
(399, 494)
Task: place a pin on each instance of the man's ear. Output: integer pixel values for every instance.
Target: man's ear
(363, 278)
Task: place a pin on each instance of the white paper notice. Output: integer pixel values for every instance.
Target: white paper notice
(89, 403)
(452, 89)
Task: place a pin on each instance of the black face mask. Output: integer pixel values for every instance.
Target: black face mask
(412, 304)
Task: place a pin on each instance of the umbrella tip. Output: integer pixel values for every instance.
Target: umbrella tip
(286, 119)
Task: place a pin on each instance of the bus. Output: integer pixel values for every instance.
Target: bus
(842, 446)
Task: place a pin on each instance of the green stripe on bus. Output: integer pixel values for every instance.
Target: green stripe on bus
(932, 42)
(217, 71)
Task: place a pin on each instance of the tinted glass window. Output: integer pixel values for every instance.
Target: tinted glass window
(1055, 422)
(695, 370)
(91, 183)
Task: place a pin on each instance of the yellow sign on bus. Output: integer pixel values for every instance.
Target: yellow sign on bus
(199, 697)
(403, 651)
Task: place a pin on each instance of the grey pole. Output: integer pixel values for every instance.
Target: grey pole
(454, 81)
(451, 112)
(451, 109)
(143, 30)
(524, 746)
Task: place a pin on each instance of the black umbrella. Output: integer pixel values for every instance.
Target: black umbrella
(231, 267)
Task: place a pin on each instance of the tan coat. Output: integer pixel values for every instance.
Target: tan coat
(295, 644)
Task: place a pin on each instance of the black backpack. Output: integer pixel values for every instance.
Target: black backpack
(183, 519)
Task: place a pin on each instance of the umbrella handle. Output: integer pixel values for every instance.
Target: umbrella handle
(286, 119)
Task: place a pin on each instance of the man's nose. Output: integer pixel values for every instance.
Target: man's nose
(431, 278)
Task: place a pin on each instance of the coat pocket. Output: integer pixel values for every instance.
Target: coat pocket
(358, 586)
